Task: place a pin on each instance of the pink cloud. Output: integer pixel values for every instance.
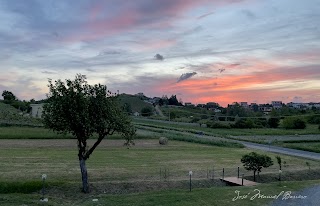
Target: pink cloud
(229, 88)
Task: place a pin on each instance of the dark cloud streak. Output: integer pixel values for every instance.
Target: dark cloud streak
(159, 57)
(186, 76)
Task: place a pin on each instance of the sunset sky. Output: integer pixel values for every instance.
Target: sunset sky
(201, 50)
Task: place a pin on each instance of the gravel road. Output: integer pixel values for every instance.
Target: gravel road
(282, 150)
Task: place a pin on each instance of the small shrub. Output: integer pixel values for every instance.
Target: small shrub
(308, 165)
(314, 119)
(244, 124)
(260, 123)
(195, 119)
(204, 116)
(163, 140)
(146, 111)
(173, 115)
(273, 122)
(216, 125)
(293, 123)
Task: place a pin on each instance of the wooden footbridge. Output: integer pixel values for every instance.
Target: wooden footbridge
(236, 181)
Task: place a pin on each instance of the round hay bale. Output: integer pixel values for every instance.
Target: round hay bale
(163, 140)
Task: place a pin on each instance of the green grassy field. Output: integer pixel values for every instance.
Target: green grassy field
(295, 139)
(43, 133)
(24, 161)
(29, 133)
(135, 102)
(205, 196)
(311, 129)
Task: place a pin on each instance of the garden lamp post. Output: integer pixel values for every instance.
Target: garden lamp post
(280, 176)
(190, 174)
(43, 177)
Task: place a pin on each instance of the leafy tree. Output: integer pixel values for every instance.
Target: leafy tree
(255, 162)
(165, 100)
(236, 109)
(9, 96)
(174, 101)
(127, 108)
(279, 161)
(161, 102)
(81, 109)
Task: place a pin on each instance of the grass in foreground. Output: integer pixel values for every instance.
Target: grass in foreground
(208, 196)
(26, 160)
(23, 162)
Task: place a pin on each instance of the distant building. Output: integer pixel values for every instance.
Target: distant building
(276, 104)
(201, 105)
(244, 104)
(254, 107)
(188, 104)
(136, 114)
(212, 105)
(265, 108)
(140, 94)
(36, 110)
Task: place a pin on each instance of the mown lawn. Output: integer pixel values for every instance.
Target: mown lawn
(215, 196)
(43, 133)
(24, 161)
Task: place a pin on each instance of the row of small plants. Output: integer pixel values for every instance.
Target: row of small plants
(169, 133)
(273, 122)
(165, 129)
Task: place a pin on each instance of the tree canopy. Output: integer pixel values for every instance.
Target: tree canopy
(81, 109)
(8, 96)
(255, 162)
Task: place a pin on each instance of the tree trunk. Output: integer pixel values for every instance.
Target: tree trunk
(254, 175)
(84, 175)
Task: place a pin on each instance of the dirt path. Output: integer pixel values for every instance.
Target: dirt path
(159, 111)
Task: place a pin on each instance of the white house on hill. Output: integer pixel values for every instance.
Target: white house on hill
(36, 110)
